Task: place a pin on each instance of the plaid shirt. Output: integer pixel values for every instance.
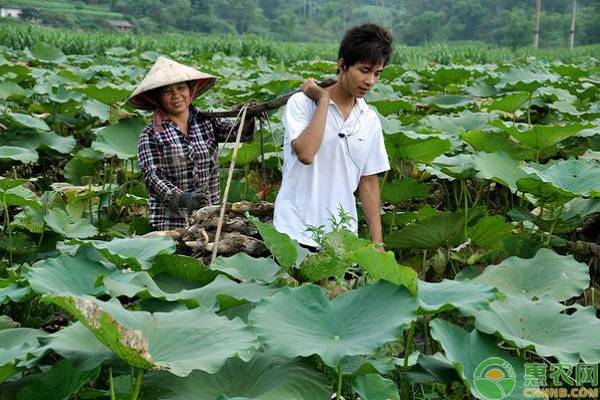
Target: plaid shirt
(174, 163)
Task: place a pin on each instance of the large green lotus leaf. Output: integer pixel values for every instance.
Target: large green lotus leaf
(119, 140)
(264, 377)
(540, 137)
(546, 274)
(448, 294)
(7, 323)
(446, 75)
(247, 153)
(401, 146)
(44, 140)
(8, 183)
(448, 168)
(67, 274)
(375, 387)
(302, 321)
(430, 369)
(448, 101)
(499, 167)
(482, 88)
(573, 176)
(403, 189)
(134, 252)
(544, 191)
(489, 231)
(185, 268)
(511, 102)
(68, 226)
(221, 292)
(525, 79)
(96, 109)
(13, 292)
(244, 267)
(542, 327)
(178, 341)
(107, 93)
(16, 345)
(556, 94)
(78, 344)
(569, 70)
(19, 196)
(279, 244)
(62, 95)
(391, 106)
(24, 155)
(564, 107)
(438, 231)
(27, 121)
(384, 266)
(491, 142)
(468, 350)
(61, 381)
(47, 52)
(454, 124)
(11, 90)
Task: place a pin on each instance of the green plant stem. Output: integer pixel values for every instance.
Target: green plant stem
(138, 385)
(8, 228)
(409, 343)
(111, 384)
(339, 386)
(464, 189)
(529, 111)
(560, 210)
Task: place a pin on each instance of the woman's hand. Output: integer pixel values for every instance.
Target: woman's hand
(313, 90)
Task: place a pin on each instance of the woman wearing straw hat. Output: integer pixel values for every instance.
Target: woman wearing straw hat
(177, 151)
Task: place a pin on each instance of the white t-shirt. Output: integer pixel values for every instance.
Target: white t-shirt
(311, 194)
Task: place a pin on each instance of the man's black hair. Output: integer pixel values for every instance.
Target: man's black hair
(368, 43)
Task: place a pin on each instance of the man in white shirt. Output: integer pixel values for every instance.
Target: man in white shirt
(334, 143)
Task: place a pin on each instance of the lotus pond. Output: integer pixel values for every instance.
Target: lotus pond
(490, 215)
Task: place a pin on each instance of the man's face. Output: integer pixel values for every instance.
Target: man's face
(361, 77)
(175, 98)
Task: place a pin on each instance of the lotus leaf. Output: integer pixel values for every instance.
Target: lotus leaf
(434, 368)
(62, 95)
(106, 93)
(448, 101)
(437, 231)
(27, 121)
(279, 244)
(403, 189)
(525, 79)
(24, 155)
(178, 341)
(546, 274)
(424, 150)
(13, 292)
(47, 52)
(391, 106)
(491, 142)
(302, 321)
(544, 191)
(186, 268)
(60, 382)
(541, 137)
(244, 267)
(11, 90)
(96, 109)
(375, 387)
(468, 350)
(264, 377)
(489, 231)
(69, 226)
(7, 323)
(135, 252)
(454, 124)
(16, 345)
(119, 140)
(541, 326)
(221, 292)
(573, 176)
(43, 140)
(384, 266)
(499, 167)
(67, 274)
(448, 294)
(511, 102)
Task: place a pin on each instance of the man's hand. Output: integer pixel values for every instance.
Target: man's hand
(192, 200)
(314, 91)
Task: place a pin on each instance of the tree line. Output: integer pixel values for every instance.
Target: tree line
(414, 22)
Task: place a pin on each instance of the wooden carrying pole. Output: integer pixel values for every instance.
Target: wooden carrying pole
(572, 28)
(536, 30)
(263, 107)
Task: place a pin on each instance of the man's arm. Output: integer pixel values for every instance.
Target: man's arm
(370, 197)
(308, 142)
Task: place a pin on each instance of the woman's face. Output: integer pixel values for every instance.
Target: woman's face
(175, 98)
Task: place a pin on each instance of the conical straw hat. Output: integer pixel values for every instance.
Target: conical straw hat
(166, 72)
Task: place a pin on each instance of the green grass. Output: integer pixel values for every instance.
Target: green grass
(63, 7)
(21, 35)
